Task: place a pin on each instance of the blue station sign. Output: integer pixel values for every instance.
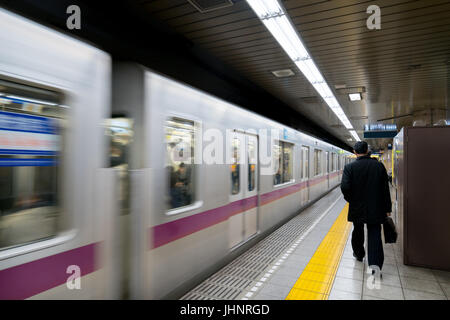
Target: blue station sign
(380, 130)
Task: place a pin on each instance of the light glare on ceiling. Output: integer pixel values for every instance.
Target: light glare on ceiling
(271, 13)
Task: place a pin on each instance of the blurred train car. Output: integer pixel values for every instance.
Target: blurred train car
(121, 189)
(55, 200)
(181, 234)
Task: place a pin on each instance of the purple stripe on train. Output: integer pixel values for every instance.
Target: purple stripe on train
(171, 231)
(334, 174)
(29, 279)
(277, 194)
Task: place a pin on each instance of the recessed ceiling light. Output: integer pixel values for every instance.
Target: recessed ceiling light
(207, 6)
(354, 96)
(283, 73)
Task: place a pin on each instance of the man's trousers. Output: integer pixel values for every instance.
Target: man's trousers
(374, 243)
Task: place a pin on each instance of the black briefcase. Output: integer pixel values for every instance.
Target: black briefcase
(390, 234)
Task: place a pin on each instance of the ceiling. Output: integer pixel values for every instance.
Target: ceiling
(403, 68)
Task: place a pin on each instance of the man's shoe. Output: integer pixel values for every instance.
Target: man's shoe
(358, 258)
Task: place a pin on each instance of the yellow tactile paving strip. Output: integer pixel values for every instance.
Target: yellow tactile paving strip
(317, 278)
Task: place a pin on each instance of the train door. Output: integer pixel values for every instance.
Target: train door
(251, 186)
(243, 223)
(119, 130)
(327, 168)
(305, 172)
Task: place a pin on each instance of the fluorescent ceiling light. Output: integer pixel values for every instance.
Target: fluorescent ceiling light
(355, 135)
(309, 70)
(323, 89)
(354, 96)
(265, 7)
(332, 102)
(346, 122)
(282, 30)
(271, 13)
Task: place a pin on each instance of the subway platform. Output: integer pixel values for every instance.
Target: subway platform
(311, 258)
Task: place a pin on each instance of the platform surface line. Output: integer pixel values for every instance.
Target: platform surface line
(316, 280)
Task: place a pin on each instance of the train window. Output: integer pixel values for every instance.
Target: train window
(235, 167)
(305, 162)
(119, 130)
(180, 144)
(317, 162)
(288, 151)
(252, 160)
(32, 122)
(283, 153)
(327, 162)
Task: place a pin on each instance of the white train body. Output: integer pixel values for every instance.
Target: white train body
(163, 240)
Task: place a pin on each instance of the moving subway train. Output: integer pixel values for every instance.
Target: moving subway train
(117, 182)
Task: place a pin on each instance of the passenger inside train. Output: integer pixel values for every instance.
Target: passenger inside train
(180, 186)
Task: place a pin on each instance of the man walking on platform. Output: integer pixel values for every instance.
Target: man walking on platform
(365, 186)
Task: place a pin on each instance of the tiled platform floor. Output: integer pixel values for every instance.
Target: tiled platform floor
(352, 281)
(278, 286)
(399, 282)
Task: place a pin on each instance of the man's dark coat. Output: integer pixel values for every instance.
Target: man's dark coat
(365, 186)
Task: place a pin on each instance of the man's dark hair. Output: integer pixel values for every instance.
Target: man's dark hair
(360, 147)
